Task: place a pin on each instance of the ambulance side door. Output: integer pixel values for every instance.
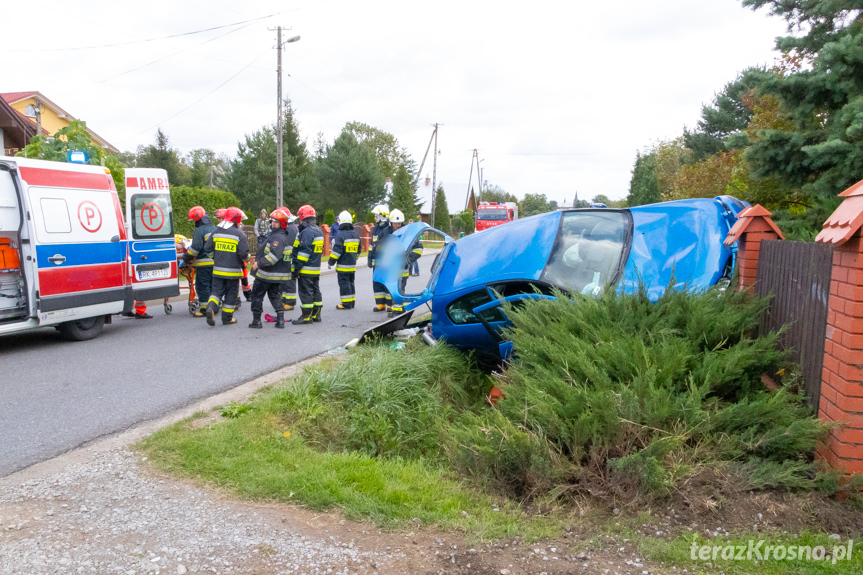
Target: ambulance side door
(149, 219)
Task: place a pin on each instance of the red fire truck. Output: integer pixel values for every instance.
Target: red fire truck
(490, 214)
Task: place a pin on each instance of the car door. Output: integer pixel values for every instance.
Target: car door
(149, 219)
(392, 258)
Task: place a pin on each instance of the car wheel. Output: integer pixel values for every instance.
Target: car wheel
(82, 329)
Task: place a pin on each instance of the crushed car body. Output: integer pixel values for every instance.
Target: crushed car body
(577, 251)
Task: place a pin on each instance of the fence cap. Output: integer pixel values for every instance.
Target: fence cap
(846, 220)
(746, 218)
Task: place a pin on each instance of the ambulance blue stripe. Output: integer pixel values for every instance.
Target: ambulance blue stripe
(81, 254)
(156, 256)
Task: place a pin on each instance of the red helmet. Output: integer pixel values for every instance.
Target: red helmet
(306, 211)
(220, 213)
(234, 215)
(283, 215)
(196, 213)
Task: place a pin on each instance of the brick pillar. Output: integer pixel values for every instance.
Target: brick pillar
(842, 375)
(365, 232)
(326, 229)
(753, 225)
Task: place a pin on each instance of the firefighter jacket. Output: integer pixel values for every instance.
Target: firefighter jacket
(230, 249)
(308, 249)
(346, 249)
(293, 231)
(274, 258)
(413, 255)
(379, 233)
(203, 229)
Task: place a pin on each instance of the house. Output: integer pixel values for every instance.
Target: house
(15, 130)
(32, 106)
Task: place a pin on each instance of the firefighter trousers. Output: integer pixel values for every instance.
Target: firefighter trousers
(347, 291)
(309, 289)
(382, 296)
(289, 292)
(203, 283)
(272, 290)
(225, 295)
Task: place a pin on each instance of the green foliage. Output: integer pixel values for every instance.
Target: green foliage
(389, 155)
(440, 217)
(601, 199)
(349, 175)
(633, 393)
(161, 155)
(533, 204)
(234, 410)
(463, 223)
(184, 197)
(404, 196)
(497, 194)
(644, 185)
(329, 218)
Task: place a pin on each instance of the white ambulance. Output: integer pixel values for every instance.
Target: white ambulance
(67, 259)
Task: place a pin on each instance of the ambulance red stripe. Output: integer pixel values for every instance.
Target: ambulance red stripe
(66, 179)
(81, 278)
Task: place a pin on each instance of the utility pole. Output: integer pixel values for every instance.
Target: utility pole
(38, 111)
(434, 178)
(279, 129)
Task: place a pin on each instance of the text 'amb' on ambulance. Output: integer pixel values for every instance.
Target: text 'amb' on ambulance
(67, 258)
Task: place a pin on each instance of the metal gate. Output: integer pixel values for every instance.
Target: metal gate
(797, 274)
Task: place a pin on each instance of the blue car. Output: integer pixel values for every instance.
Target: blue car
(577, 251)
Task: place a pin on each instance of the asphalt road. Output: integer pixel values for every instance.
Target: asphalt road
(56, 395)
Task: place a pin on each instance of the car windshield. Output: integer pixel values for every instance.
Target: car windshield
(491, 214)
(587, 252)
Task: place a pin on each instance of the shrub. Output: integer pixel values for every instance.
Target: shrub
(184, 197)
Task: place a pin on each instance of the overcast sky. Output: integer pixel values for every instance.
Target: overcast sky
(557, 96)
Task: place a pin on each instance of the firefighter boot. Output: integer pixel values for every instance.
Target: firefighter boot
(280, 320)
(211, 313)
(304, 319)
(256, 321)
(380, 307)
(316, 313)
(288, 306)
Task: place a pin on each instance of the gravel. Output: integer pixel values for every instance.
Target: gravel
(111, 515)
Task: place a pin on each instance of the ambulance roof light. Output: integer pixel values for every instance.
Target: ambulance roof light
(77, 157)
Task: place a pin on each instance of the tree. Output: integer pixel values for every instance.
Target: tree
(601, 199)
(207, 169)
(821, 152)
(497, 194)
(388, 153)
(463, 223)
(441, 211)
(349, 176)
(404, 196)
(161, 155)
(533, 204)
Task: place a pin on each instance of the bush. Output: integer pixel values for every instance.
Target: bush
(329, 218)
(632, 393)
(183, 198)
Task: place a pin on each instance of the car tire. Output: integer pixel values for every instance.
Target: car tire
(82, 329)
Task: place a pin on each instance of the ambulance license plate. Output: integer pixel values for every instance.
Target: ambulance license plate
(154, 274)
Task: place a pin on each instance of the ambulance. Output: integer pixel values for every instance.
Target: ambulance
(68, 259)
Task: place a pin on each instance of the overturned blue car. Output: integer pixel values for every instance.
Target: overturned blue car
(578, 251)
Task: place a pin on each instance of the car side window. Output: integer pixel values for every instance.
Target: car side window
(460, 311)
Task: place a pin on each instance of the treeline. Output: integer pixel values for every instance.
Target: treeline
(788, 137)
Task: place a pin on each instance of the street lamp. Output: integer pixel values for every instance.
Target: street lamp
(279, 44)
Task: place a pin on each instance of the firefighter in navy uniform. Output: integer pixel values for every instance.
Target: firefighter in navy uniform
(346, 248)
(289, 288)
(230, 249)
(271, 269)
(200, 260)
(383, 301)
(397, 219)
(308, 249)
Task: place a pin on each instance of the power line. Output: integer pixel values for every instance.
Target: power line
(145, 40)
(196, 101)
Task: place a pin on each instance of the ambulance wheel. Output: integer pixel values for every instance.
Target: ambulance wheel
(82, 329)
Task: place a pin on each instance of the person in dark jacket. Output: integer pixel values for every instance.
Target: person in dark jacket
(202, 261)
(308, 249)
(344, 255)
(383, 301)
(262, 228)
(397, 220)
(289, 288)
(271, 269)
(230, 249)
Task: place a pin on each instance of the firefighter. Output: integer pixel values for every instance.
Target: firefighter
(289, 288)
(383, 301)
(202, 261)
(230, 249)
(308, 249)
(397, 219)
(271, 269)
(344, 255)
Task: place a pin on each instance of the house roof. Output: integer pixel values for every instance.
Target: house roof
(846, 220)
(753, 218)
(14, 97)
(16, 128)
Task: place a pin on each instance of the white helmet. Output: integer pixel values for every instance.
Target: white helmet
(397, 217)
(345, 218)
(381, 210)
(243, 216)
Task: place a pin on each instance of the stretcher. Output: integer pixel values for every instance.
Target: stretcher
(186, 271)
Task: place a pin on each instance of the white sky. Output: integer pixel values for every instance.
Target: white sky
(557, 96)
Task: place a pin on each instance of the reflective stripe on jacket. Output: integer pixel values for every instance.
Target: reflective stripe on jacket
(230, 249)
(346, 249)
(308, 248)
(274, 258)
